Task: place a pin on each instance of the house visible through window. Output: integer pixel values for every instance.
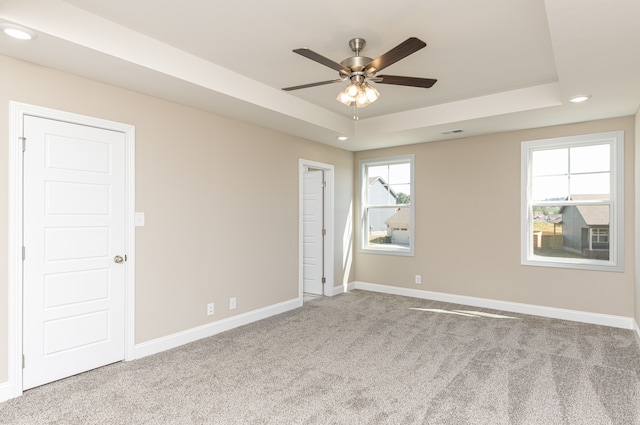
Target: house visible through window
(387, 207)
(572, 202)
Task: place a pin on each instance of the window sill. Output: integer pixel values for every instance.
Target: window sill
(389, 250)
(604, 266)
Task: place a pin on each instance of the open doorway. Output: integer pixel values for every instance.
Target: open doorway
(316, 229)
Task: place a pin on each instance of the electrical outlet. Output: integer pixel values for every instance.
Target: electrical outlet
(418, 279)
(209, 309)
(232, 303)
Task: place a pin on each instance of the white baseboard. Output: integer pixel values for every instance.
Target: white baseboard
(6, 392)
(175, 340)
(637, 329)
(536, 310)
(337, 290)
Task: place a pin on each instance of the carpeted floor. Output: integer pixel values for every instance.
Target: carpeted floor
(363, 358)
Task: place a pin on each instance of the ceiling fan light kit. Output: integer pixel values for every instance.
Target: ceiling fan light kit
(360, 71)
(360, 94)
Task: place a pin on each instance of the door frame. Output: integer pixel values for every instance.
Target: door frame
(327, 288)
(17, 112)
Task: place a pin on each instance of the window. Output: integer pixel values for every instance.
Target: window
(572, 202)
(599, 238)
(387, 217)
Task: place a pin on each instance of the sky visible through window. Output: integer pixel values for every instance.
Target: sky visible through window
(397, 175)
(558, 173)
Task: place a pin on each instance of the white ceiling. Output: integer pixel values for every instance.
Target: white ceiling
(501, 64)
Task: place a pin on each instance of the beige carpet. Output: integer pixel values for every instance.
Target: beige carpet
(364, 358)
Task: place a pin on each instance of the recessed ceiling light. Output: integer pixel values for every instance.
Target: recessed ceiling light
(579, 98)
(17, 31)
(342, 138)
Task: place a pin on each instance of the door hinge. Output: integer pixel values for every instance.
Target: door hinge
(324, 232)
(24, 253)
(23, 361)
(24, 143)
(324, 183)
(324, 280)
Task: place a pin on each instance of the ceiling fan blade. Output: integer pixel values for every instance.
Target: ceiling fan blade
(310, 54)
(406, 81)
(401, 51)
(320, 83)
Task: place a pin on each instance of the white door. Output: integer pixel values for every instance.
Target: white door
(74, 236)
(312, 237)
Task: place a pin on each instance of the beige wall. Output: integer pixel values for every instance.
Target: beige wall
(220, 199)
(208, 184)
(467, 235)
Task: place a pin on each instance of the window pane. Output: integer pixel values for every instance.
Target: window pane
(590, 159)
(380, 193)
(597, 185)
(571, 231)
(399, 173)
(550, 162)
(400, 181)
(378, 171)
(402, 192)
(389, 184)
(389, 226)
(377, 218)
(550, 188)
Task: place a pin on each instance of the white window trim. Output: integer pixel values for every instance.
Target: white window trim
(386, 249)
(616, 227)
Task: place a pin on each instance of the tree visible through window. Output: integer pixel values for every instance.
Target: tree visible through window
(572, 201)
(387, 209)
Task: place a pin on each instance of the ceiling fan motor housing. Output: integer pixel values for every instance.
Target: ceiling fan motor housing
(356, 63)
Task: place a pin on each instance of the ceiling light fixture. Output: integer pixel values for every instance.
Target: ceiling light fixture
(17, 31)
(342, 138)
(358, 71)
(579, 98)
(358, 93)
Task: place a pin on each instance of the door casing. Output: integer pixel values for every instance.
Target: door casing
(328, 288)
(15, 276)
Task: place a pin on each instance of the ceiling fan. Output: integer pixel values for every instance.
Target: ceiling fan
(360, 70)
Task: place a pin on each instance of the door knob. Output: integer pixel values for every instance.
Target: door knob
(118, 259)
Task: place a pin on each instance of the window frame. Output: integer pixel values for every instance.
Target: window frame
(615, 262)
(386, 249)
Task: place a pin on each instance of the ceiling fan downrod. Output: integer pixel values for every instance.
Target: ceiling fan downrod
(357, 45)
